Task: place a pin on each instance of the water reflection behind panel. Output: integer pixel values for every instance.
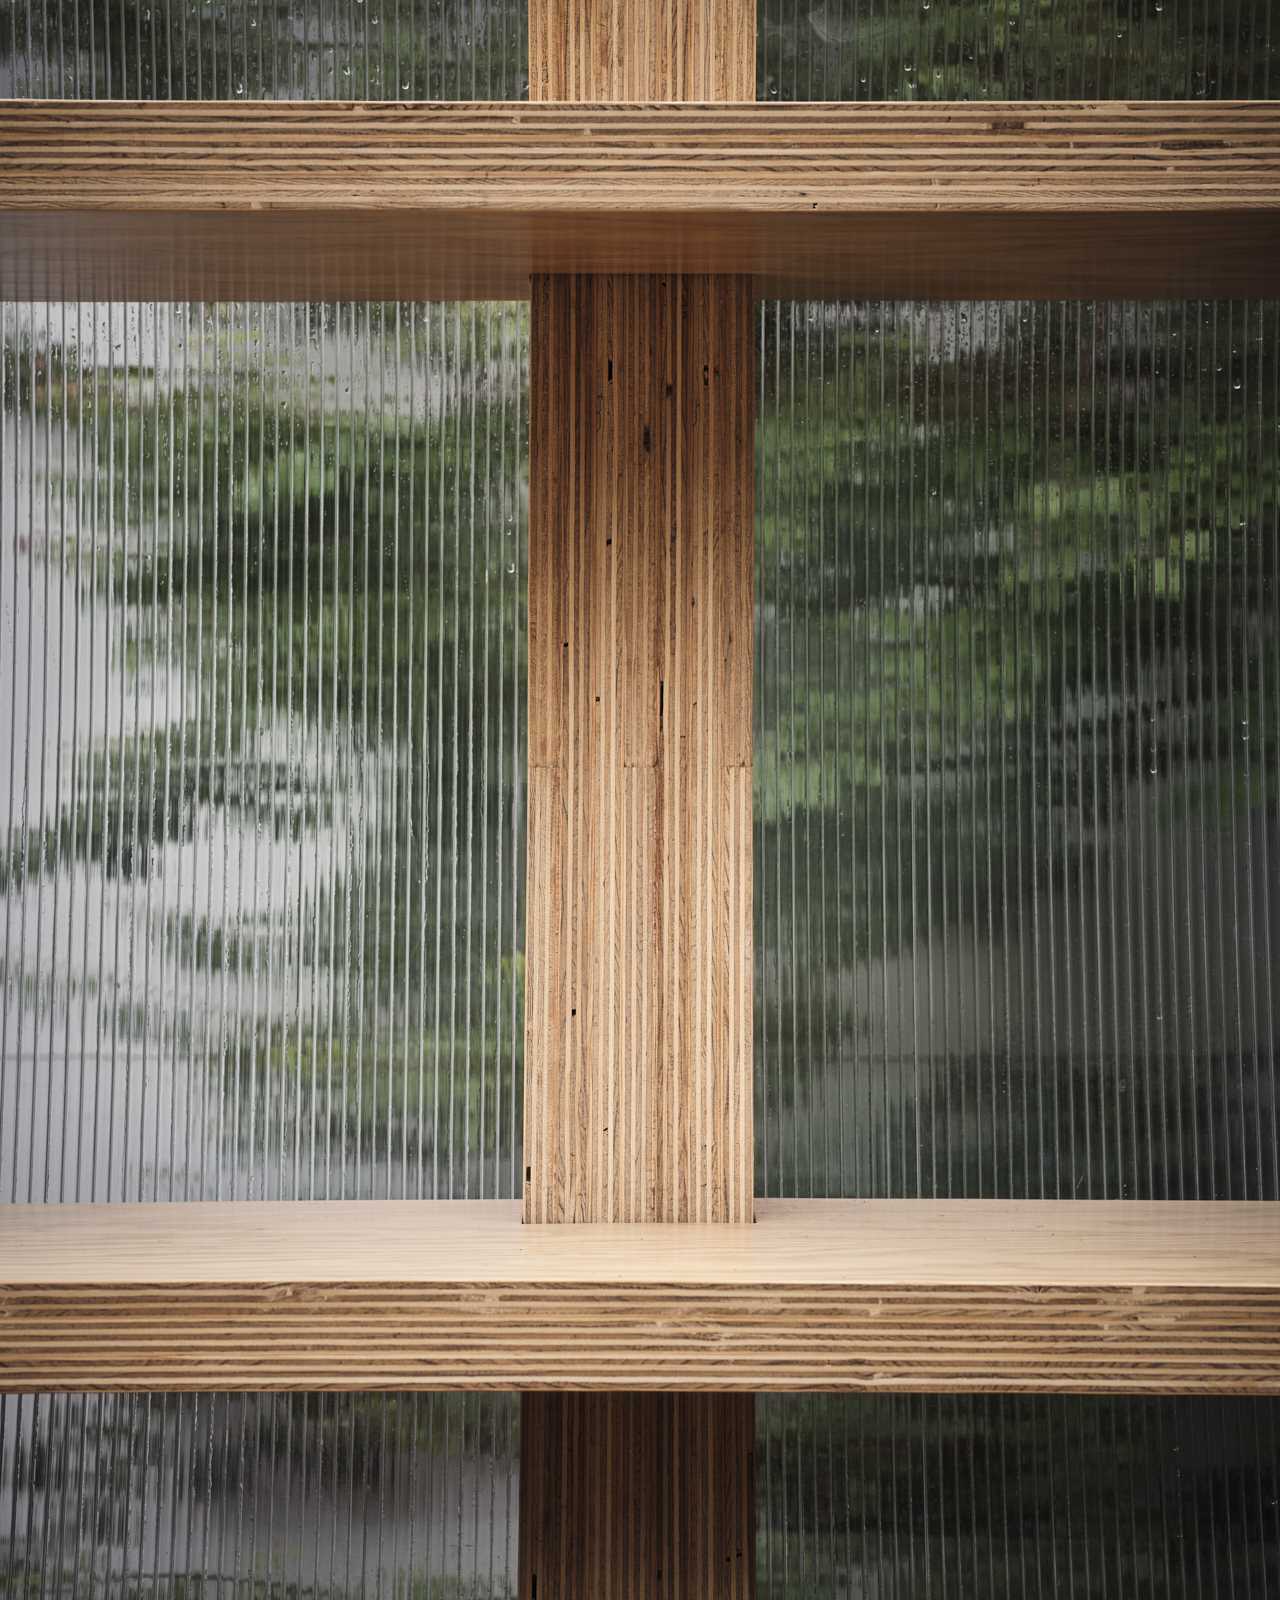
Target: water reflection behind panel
(1018, 750)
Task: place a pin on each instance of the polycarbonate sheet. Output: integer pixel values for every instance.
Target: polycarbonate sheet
(261, 790)
(933, 1497)
(407, 1496)
(261, 883)
(265, 49)
(1042, 50)
(478, 49)
(1018, 750)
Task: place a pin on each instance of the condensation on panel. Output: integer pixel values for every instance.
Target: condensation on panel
(1037, 50)
(935, 1498)
(265, 49)
(1018, 750)
(412, 1497)
(261, 751)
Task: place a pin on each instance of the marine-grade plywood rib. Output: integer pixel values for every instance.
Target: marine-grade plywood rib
(638, 1081)
(1037, 1296)
(429, 201)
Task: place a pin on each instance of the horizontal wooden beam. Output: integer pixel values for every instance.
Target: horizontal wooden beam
(289, 201)
(839, 1295)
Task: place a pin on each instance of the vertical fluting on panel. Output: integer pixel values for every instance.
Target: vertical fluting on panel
(297, 1494)
(260, 50)
(1055, 50)
(660, 50)
(262, 804)
(638, 1054)
(1013, 1496)
(1018, 767)
(261, 880)
(1017, 813)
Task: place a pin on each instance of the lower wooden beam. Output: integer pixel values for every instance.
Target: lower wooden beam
(936, 1296)
(637, 1497)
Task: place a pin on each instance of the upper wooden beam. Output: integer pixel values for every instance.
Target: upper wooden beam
(214, 201)
(841, 1295)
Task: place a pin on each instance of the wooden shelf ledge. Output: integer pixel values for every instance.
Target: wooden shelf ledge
(1050, 1297)
(111, 199)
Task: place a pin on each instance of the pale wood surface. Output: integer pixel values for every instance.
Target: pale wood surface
(465, 201)
(841, 1295)
(633, 1496)
(638, 1080)
(609, 50)
(800, 1243)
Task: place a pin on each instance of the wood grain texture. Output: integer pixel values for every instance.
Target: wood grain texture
(644, 1110)
(1046, 1297)
(638, 1079)
(440, 157)
(611, 50)
(277, 202)
(637, 1496)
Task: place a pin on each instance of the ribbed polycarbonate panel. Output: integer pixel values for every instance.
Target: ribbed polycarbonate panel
(261, 790)
(929, 1497)
(265, 49)
(477, 49)
(261, 881)
(1018, 750)
(402, 1496)
(1032, 50)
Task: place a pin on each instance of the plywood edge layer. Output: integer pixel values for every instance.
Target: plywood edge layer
(564, 1337)
(1086, 158)
(116, 200)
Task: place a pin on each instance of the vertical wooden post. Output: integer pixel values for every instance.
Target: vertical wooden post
(638, 1072)
(638, 1054)
(636, 1497)
(642, 50)
(638, 944)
